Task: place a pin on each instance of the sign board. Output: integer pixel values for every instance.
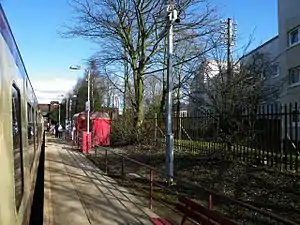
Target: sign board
(87, 106)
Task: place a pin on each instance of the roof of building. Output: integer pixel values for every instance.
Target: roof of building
(45, 107)
(260, 46)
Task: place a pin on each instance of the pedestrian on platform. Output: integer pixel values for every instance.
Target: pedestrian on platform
(56, 130)
(73, 132)
(60, 130)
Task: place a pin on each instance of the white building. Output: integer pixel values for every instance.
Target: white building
(284, 51)
(198, 98)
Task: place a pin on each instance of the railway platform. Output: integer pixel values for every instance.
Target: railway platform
(77, 192)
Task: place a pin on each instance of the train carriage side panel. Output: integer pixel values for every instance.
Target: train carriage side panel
(17, 167)
(6, 189)
(14, 176)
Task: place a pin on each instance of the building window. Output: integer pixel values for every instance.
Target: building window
(275, 70)
(17, 147)
(294, 36)
(294, 75)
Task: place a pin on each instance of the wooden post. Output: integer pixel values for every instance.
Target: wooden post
(151, 189)
(123, 168)
(106, 161)
(155, 129)
(210, 201)
(180, 132)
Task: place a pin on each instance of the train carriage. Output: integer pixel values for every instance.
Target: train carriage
(21, 132)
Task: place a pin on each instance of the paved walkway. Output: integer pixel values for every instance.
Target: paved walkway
(76, 192)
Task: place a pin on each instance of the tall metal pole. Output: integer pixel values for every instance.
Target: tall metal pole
(70, 110)
(169, 134)
(92, 93)
(88, 102)
(67, 110)
(58, 113)
(229, 43)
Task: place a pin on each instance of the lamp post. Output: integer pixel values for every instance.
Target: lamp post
(58, 113)
(57, 102)
(171, 18)
(86, 136)
(70, 108)
(67, 113)
(87, 104)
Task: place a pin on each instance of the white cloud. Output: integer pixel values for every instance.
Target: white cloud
(51, 88)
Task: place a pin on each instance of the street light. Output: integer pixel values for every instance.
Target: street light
(171, 18)
(70, 109)
(57, 103)
(71, 99)
(87, 105)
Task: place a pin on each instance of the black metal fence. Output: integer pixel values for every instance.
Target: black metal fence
(269, 137)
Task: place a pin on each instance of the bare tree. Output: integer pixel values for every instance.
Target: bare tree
(100, 89)
(185, 72)
(132, 31)
(231, 97)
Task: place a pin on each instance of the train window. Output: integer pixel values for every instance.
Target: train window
(34, 128)
(37, 130)
(17, 146)
(31, 134)
(30, 126)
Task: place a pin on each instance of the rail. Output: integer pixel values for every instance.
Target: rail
(212, 196)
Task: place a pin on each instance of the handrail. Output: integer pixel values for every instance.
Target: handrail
(210, 192)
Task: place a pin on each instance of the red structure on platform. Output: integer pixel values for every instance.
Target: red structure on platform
(99, 130)
(86, 143)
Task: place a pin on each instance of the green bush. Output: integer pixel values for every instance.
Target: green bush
(125, 132)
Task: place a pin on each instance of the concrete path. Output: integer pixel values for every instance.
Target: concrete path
(76, 192)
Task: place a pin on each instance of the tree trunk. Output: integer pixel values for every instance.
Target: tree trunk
(178, 107)
(140, 105)
(126, 80)
(138, 91)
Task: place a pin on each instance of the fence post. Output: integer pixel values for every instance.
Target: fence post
(180, 131)
(296, 138)
(106, 160)
(123, 167)
(210, 201)
(155, 129)
(285, 147)
(151, 188)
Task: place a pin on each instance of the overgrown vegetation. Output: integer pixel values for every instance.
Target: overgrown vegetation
(124, 131)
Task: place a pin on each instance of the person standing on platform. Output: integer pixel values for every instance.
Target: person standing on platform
(60, 130)
(56, 130)
(73, 132)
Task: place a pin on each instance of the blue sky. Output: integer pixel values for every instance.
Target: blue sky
(35, 25)
(257, 17)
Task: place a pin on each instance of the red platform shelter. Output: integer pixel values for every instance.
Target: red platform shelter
(99, 128)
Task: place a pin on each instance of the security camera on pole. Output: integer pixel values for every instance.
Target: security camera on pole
(171, 18)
